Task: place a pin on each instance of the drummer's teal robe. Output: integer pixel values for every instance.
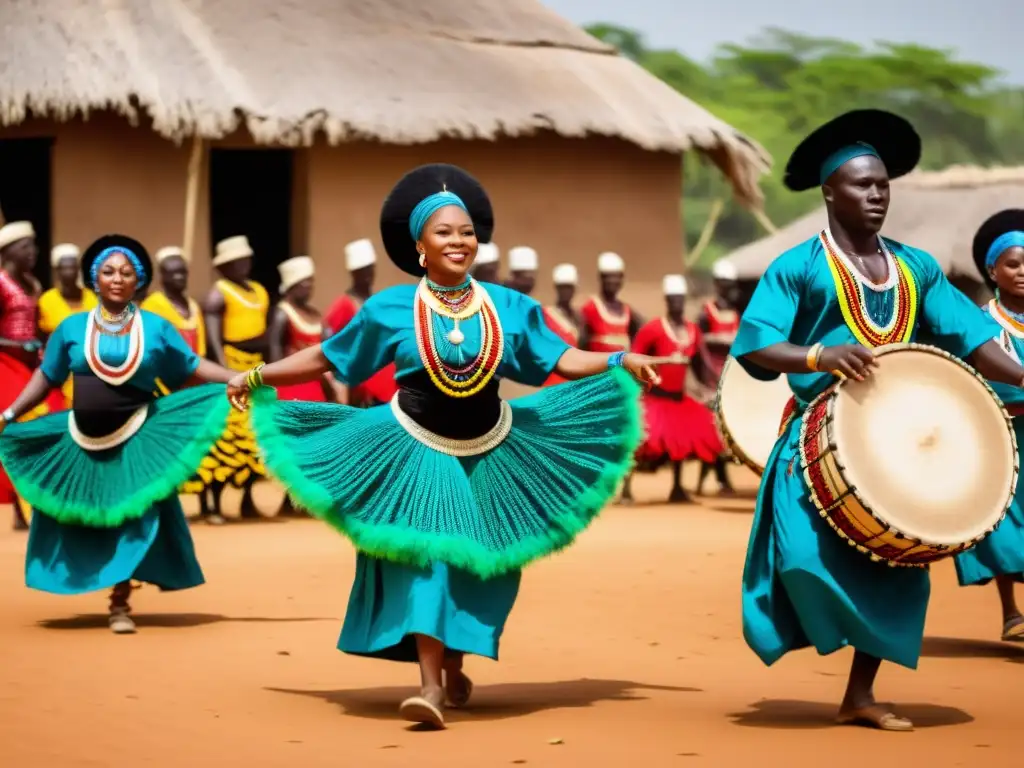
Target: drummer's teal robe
(1002, 553)
(802, 584)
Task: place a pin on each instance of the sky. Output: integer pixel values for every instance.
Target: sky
(984, 31)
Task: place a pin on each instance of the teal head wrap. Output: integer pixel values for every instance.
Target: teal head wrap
(430, 205)
(843, 155)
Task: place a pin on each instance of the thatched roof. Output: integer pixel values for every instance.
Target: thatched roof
(938, 212)
(398, 71)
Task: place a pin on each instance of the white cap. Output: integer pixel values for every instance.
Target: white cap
(522, 258)
(168, 252)
(294, 271)
(15, 231)
(487, 253)
(565, 274)
(232, 249)
(64, 251)
(610, 263)
(359, 254)
(674, 285)
(724, 270)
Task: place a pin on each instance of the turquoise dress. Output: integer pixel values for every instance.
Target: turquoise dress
(107, 516)
(442, 537)
(1002, 552)
(802, 584)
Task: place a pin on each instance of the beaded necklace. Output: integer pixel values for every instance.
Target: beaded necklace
(101, 323)
(896, 298)
(461, 379)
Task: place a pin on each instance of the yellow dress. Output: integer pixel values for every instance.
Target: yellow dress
(53, 309)
(236, 455)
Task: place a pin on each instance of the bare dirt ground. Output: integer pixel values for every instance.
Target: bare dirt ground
(625, 650)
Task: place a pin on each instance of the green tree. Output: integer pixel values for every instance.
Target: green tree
(782, 85)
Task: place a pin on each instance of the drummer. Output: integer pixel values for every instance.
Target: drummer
(818, 310)
(999, 255)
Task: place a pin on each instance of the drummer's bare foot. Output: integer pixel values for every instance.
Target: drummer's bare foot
(859, 706)
(214, 519)
(626, 499)
(1013, 621)
(727, 491)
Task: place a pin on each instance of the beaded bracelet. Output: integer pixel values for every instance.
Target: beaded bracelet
(813, 354)
(254, 379)
(615, 360)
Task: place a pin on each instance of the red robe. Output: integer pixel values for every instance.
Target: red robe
(566, 329)
(380, 387)
(18, 322)
(678, 427)
(606, 332)
(301, 334)
(721, 327)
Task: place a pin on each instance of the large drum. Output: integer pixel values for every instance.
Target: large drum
(751, 414)
(914, 464)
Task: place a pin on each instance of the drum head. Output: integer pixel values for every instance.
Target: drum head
(926, 445)
(751, 410)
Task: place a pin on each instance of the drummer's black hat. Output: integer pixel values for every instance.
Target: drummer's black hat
(1009, 220)
(417, 185)
(892, 138)
(132, 248)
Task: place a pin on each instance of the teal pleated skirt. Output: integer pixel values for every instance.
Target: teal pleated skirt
(104, 517)
(805, 586)
(442, 538)
(1002, 552)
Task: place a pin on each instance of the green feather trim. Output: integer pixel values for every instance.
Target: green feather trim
(178, 433)
(407, 545)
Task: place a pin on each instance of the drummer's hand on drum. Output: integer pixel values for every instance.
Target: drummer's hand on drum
(643, 368)
(238, 392)
(851, 360)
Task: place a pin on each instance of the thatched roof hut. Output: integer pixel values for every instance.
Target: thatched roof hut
(563, 130)
(937, 211)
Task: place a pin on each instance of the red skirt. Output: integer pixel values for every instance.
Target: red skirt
(310, 391)
(678, 430)
(14, 375)
(377, 389)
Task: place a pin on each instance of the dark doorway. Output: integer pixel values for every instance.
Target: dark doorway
(25, 169)
(251, 195)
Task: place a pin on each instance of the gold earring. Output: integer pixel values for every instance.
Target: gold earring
(423, 260)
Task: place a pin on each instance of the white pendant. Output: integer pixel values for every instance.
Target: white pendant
(455, 336)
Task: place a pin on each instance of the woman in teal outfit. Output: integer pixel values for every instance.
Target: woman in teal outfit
(816, 312)
(999, 255)
(447, 492)
(103, 476)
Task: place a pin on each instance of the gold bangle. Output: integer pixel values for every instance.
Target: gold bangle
(813, 354)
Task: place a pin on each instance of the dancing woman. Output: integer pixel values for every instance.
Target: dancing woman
(103, 477)
(815, 314)
(999, 255)
(448, 491)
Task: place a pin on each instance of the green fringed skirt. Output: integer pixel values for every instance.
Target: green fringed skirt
(441, 538)
(107, 516)
(397, 499)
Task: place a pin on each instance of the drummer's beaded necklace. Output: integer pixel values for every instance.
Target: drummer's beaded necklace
(1012, 324)
(438, 345)
(896, 299)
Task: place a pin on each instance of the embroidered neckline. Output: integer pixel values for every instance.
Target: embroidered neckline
(608, 316)
(299, 322)
(253, 301)
(567, 323)
(723, 316)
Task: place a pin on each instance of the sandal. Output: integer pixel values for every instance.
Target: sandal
(418, 710)
(1013, 630)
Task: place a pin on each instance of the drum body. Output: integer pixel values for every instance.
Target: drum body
(915, 464)
(751, 414)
